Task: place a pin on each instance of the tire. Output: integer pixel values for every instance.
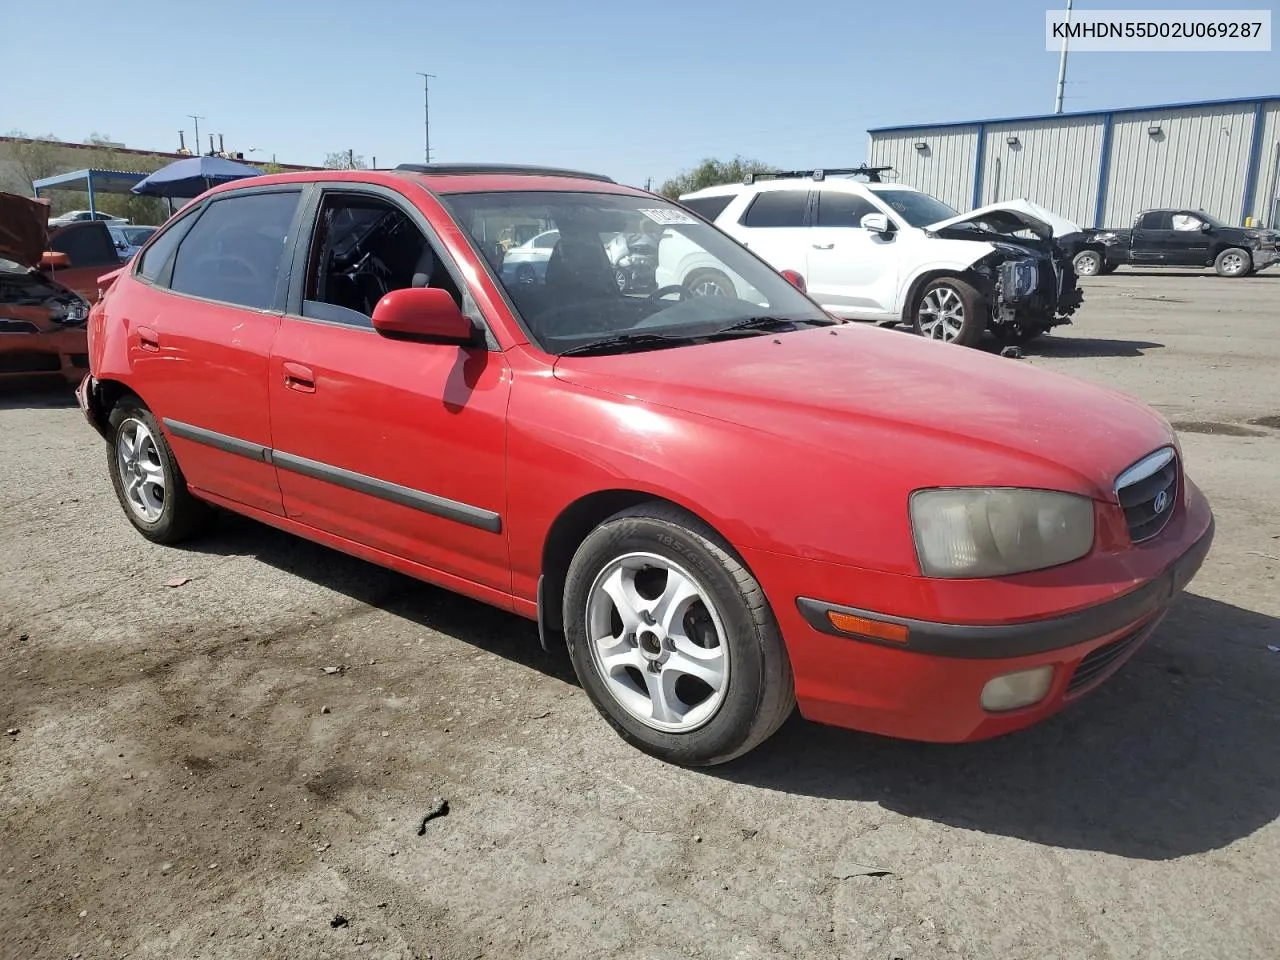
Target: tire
(1088, 263)
(646, 553)
(1233, 262)
(703, 283)
(963, 312)
(160, 506)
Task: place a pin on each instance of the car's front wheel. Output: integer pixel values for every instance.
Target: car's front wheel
(673, 640)
(1233, 262)
(952, 311)
(710, 283)
(147, 479)
(1088, 263)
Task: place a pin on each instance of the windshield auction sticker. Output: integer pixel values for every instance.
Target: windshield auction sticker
(664, 216)
(1176, 31)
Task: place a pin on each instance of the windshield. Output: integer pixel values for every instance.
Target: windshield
(623, 272)
(918, 209)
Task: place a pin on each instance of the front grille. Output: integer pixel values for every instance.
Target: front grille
(1147, 492)
(1098, 663)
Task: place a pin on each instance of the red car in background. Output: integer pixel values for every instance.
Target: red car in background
(47, 283)
(724, 504)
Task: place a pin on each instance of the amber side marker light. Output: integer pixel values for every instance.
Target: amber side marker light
(862, 627)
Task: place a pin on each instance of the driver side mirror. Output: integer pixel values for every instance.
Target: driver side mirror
(423, 313)
(795, 278)
(52, 260)
(876, 223)
(1205, 227)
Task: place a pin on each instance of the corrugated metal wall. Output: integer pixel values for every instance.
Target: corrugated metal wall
(1199, 159)
(1055, 164)
(944, 168)
(1267, 193)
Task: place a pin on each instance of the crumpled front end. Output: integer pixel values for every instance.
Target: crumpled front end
(1029, 290)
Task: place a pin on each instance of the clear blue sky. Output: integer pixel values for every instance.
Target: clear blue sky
(631, 89)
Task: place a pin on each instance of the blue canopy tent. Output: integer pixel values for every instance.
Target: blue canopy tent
(191, 177)
(91, 182)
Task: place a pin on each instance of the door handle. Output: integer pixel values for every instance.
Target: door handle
(148, 339)
(823, 246)
(300, 378)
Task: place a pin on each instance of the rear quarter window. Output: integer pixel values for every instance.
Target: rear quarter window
(152, 261)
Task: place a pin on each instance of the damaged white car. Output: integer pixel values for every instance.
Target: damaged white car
(870, 250)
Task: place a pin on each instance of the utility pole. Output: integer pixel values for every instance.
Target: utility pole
(197, 139)
(648, 181)
(426, 114)
(1062, 66)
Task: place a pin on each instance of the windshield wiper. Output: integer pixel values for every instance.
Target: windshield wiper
(626, 341)
(767, 323)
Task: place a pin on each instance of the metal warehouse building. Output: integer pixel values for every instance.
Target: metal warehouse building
(1101, 168)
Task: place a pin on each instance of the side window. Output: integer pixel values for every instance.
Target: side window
(152, 261)
(234, 251)
(87, 246)
(708, 207)
(1155, 220)
(547, 240)
(842, 209)
(1185, 221)
(362, 248)
(777, 208)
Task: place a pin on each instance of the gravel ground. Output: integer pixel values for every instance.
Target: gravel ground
(187, 780)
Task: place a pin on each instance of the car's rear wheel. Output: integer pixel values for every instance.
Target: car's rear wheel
(952, 311)
(1087, 263)
(1233, 262)
(709, 283)
(147, 479)
(673, 640)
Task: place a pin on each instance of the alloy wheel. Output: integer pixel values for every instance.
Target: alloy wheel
(142, 474)
(941, 314)
(658, 642)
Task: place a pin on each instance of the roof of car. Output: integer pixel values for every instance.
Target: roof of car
(838, 183)
(452, 178)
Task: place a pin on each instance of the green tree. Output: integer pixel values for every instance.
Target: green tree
(711, 173)
(344, 160)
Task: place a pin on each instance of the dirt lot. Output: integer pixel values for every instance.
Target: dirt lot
(188, 782)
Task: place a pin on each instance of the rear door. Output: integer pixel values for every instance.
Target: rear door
(1151, 236)
(92, 251)
(390, 443)
(775, 226)
(201, 323)
(851, 271)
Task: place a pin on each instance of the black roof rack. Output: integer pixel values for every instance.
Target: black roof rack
(871, 173)
(453, 169)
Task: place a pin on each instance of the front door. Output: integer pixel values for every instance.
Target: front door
(393, 444)
(1187, 244)
(851, 271)
(1150, 237)
(201, 323)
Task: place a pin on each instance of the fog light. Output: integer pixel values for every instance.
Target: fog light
(1015, 690)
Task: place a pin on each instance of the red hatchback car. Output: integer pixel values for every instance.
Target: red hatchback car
(725, 504)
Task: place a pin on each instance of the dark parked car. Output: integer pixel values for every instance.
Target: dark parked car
(1176, 238)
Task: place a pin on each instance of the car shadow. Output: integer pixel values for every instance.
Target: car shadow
(1077, 347)
(1177, 754)
(434, 608)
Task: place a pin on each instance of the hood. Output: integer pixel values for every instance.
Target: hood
(884, 402)
(1010, 217)
(24, 229)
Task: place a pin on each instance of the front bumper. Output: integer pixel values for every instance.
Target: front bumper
(1264, 257)
(929, 685)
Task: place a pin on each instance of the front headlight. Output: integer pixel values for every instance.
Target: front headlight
(969, 532)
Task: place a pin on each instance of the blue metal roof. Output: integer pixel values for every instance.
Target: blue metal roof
(1234, 101)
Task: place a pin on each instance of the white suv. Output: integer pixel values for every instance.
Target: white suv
(869, 250)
